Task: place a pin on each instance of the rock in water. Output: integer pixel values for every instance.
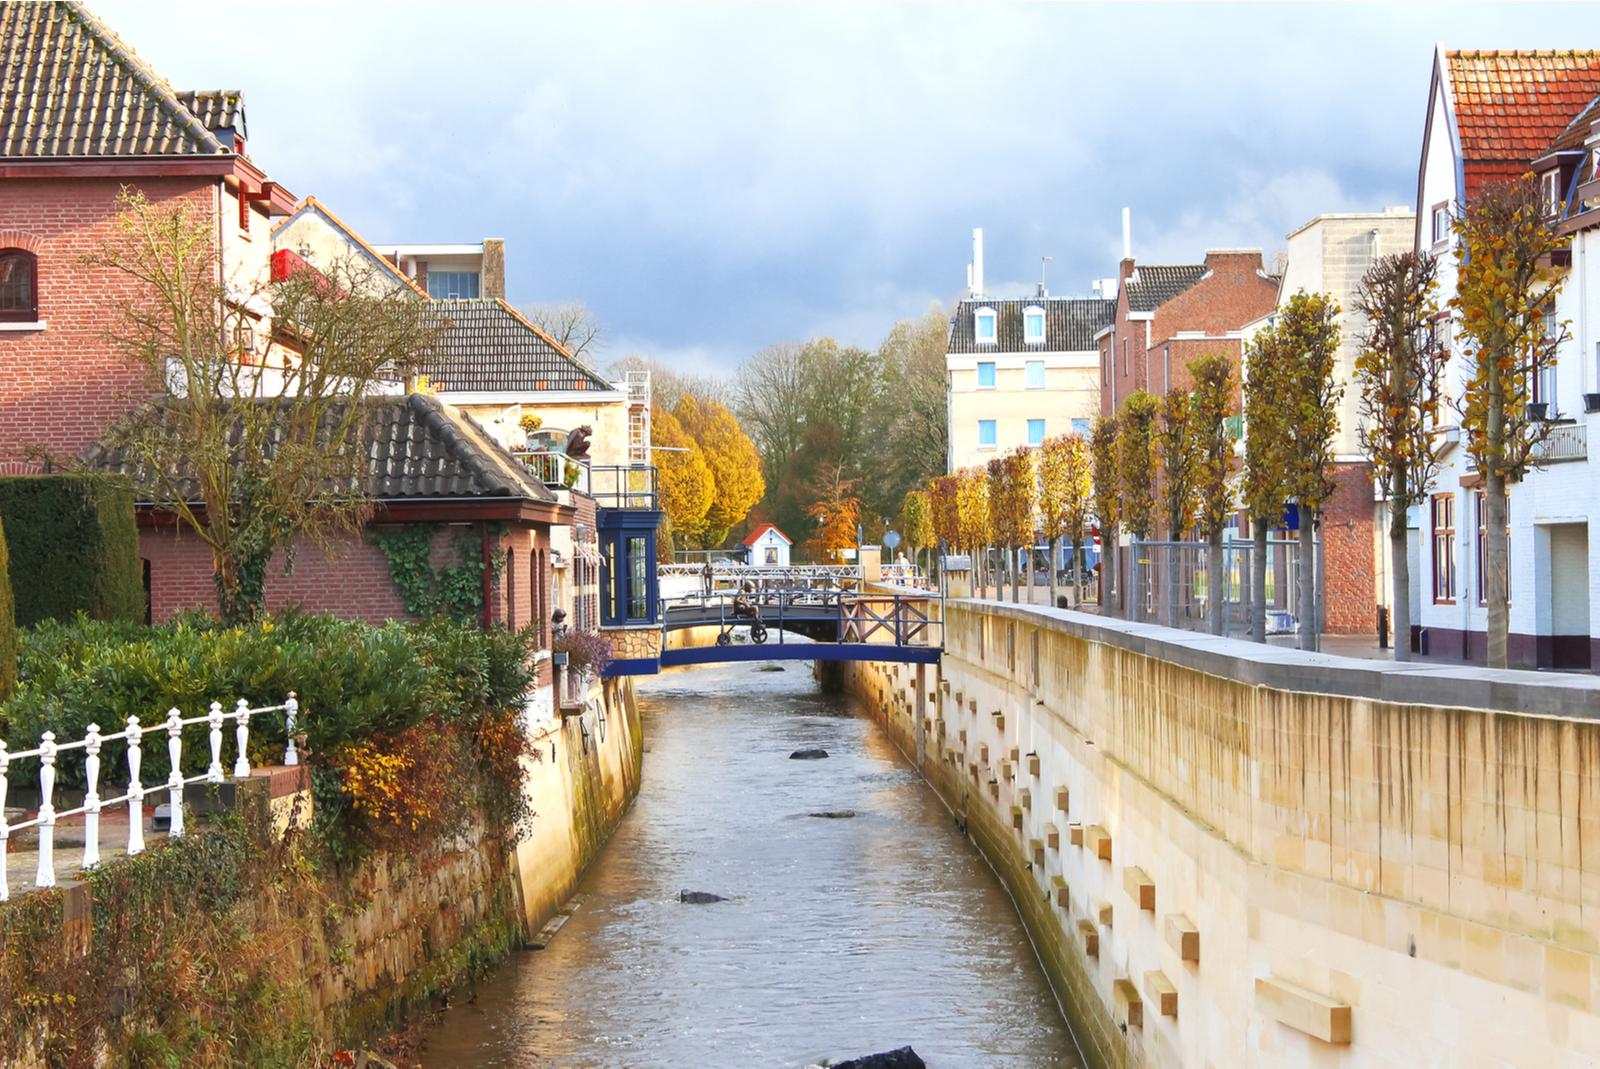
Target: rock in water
(699, 898)
(770, 668)
(808, 755)
(834, 814)
(904, 1058)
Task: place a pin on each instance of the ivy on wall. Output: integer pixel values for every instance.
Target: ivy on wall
(453, 591)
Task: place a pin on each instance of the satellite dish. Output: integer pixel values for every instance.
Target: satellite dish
(891, 539)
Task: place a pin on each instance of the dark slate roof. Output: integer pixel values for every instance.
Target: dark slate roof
(416, 448)
(492, 348)
(70, 87)
(1158, 284)
(218, 109)
(1070, 324)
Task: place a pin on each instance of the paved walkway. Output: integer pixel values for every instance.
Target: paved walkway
(22, 849)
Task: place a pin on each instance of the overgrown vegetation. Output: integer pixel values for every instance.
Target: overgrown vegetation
(74, 547)
(200, 944)
(454, 591)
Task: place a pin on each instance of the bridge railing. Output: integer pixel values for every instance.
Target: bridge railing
(49, 751)
(768, 577)
(902, 620)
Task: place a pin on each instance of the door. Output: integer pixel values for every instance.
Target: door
(1569, 595)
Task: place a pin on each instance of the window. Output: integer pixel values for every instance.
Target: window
(638, 587)
(983, 326)
(1035, 374)
(986, 434)
(1550, 190)
(1036, 432)
(1482, 503)
(453, 285)
(1080, 426)
(1444, 549)
(1033, 325)
(19, 286)
(772, 555)
(1441, 223)
(985, 376)
(1124, 356)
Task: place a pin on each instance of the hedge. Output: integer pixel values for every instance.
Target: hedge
(74, 547)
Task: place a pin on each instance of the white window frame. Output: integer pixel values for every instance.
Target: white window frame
(1439, 219)
(1042, 431)
(993, 373)
(1028, 313)
(1029, 368)
(995, 427)
(978, 319)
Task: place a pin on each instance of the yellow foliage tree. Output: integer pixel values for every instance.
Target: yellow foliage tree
(687, 486)
(836, 511)
(916, 520)
(734, 462)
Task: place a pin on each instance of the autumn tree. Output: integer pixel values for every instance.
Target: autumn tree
(998, 491)
(916, 521)
(1505, 293)
(1136, 474)
(1065, 495)
(1107, 496)
(836, 512)
(1399, 373)
(255, 438)
(1174, 448)
(909, 423)
(944, 498)
(1018, 515)
(1211, 452)
(1308, 331)
(976, 526)
(735, 465)
(668, 384)
(687, 485)
(1265, 486)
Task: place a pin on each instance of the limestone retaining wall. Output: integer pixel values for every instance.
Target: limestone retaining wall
(1234, 855)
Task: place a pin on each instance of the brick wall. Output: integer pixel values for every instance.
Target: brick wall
(1348, 539)
(60, 387)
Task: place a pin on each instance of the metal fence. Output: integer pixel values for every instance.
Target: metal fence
(1170, 583)
(49, 752)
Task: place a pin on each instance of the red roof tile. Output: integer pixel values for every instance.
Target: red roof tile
(1511, 105)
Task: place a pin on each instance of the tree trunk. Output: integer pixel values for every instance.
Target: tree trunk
(1080, 562)
(1055, 543)
(1130, 599)
(1496, 564)
(241, 584)
(1258, 582)
(1308, 580)
(1173, 579)
(1215, 594)
(1400, 579)
(1108, 571)
(1018, 571)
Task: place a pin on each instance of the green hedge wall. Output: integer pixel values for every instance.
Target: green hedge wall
(74, 547)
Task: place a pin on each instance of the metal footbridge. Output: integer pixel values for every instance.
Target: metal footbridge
(796, 614)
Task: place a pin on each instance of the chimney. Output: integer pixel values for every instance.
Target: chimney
(977, 262)
(494, 268)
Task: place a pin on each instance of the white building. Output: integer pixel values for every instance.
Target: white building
(767, 546)
(1469, 141)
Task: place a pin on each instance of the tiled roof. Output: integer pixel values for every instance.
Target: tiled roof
(1577, 132)
(492, 348)
(69, 87)
(416, 448)
(755, 535)
(1158, 284)
(1070, 324)
(218, 109)
(1510, 106)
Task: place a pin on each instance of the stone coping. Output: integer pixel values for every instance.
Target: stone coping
(1400, 683)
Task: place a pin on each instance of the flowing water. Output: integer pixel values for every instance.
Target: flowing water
(841, 936)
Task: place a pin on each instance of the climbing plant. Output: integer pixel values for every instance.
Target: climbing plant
(453, 591)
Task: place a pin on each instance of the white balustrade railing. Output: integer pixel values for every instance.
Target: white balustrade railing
(49, 751)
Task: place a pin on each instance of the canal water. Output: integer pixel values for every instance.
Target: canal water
(840, 936)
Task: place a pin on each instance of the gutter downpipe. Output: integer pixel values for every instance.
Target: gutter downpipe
(488, 577)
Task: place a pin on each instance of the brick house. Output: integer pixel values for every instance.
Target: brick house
(1491, 115)
(82, 117)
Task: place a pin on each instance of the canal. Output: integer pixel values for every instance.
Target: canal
(840, 936)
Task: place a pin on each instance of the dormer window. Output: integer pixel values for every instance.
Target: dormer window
(1033, 325)
(1550, 191)
(984, 327)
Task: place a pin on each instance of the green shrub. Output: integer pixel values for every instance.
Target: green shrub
(74, 547)
(354, 681)
(8, 624)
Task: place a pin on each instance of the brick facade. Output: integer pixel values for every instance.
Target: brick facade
(61, 386)
(1348, 535)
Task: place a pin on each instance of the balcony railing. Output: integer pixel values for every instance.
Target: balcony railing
(557, 470)
(619, 486)
(1567, 441)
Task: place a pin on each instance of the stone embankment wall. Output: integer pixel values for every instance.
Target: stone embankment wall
(1234, 855)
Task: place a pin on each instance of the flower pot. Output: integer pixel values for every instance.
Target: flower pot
(1535, 411)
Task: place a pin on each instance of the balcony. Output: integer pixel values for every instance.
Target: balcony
(1567, 441)
(623, 486)
(557, 470)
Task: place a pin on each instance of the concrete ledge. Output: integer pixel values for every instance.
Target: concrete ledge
(1140, 887)
(1183, 937)
(1097, 841)
(1303, 1010)
(1130, 1007)
(1410, 683)
(1161, 992)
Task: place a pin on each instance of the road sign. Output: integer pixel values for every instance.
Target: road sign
(891, 539)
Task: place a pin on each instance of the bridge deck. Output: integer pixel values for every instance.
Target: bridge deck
(801, 651)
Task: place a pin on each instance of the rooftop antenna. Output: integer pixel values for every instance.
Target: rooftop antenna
(1042, 261)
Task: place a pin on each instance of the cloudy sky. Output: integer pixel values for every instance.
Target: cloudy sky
(710, 179)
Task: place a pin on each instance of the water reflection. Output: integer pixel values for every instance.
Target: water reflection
(840, 936)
